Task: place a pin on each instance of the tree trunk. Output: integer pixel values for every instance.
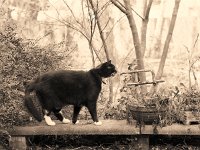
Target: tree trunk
(144, 25)
(168, 39)
(136, 41)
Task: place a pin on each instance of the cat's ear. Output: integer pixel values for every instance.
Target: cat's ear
(109, 61)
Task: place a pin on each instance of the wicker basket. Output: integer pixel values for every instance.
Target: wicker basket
(146, 115)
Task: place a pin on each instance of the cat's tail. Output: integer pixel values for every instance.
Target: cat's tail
(32, 103)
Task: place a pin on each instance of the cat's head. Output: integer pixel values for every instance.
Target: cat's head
(106, 69)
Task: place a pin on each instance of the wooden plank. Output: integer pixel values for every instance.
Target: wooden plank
(109, 127)
(174, 129)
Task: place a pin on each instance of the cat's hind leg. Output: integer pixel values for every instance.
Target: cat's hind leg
(48, 119)
(58, 113)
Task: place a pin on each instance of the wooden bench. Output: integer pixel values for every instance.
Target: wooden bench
(109, 127)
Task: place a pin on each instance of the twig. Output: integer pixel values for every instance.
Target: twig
(191, 64)
(92, 31)
(121, 7)
(73, 15)
(120, 68)
(76, 29)
(186, 48)
(196, 40)
(100, 30)
(137, 14)
(112, 30)
(68, 24)
(38, 39)
(106, 24)
(103, 8)
(71, 51)
(195, 78)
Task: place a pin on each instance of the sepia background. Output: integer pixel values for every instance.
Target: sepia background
(37, 36)
(61, 22)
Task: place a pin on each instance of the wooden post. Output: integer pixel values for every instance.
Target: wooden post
(140, 142)
(18, 143)
(143, 142)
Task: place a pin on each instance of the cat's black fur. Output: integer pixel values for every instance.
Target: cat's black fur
(54, 90)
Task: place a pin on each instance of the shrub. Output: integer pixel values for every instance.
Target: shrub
(20, 60)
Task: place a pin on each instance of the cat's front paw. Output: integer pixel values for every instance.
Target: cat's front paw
(99, 123)
(49, 121)
(66, 121)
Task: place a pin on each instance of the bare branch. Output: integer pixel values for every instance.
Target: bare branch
(67, 24)
(100, 29)
(186, 48)
(100, 12)
(106, 25)
(73, 14)
(113, 28)
(92, 30)
(92, 20)
(144, 26)
(121, 7)
(137, 13)
(118, 5)
(196, 40)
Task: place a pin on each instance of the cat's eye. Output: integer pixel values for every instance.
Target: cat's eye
(109, 67)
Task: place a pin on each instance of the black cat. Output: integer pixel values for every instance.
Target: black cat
(54, 90)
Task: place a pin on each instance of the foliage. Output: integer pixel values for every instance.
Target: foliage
(134, 96)
(184, 99)
(20, 60)
(176, 100)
